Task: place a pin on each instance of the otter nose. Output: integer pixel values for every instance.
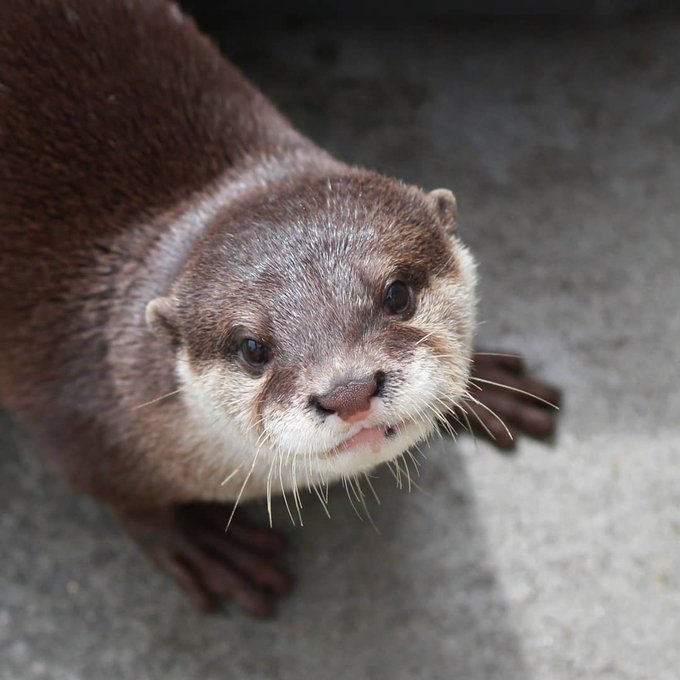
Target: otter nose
(351, 398)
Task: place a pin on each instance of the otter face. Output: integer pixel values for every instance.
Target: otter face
(329, 327)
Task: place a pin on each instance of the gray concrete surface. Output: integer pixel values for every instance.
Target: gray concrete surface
(558, 563)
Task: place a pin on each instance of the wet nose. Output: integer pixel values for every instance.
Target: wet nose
(351, 398)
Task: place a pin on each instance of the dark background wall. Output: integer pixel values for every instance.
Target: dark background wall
(390, 9)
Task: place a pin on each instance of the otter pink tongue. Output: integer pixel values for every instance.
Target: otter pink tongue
(371, 436)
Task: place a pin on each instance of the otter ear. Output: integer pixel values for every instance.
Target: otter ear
(161, 318)
(446, 208)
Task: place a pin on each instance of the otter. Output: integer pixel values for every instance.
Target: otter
(198, 306)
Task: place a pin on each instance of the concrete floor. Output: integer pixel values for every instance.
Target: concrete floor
(562, 145)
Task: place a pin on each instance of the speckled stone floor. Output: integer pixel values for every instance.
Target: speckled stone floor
(563, 562)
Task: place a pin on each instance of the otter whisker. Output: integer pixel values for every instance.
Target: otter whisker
(425, 337)
(350, 481)
(420, 489)
(492, 412)
(452, 429)
(157, 399)
(396, 472)
(362, 498)
(252, 426)
(417, 486)
(296, 491)
(320, 480)
(370, 486)
(230, 475)
(423, 413)
(416, 447)
(308, 467)
(439, 417)
(442, 419)
(262, 438)
(283, 490)
(243, 486)
(482, 423)
(516, 389)
(269, 492)
(415, 462)
(448, 428)
(397, 462)
(447, 356)
(408, 472)
(324, 504)
(469, 425)
(351, 502)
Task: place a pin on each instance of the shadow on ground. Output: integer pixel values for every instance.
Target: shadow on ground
(418, 598)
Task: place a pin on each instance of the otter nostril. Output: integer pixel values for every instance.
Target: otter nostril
(315, 403)
(349, 399)
(379, 378)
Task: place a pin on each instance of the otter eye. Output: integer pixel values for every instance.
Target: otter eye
(254, 352)
(397, 297)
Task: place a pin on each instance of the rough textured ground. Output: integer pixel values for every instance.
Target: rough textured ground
(558, 563)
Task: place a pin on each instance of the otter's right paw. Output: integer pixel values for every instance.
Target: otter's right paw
(189, 542)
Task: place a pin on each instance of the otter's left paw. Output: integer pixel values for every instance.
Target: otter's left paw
(190, 544)
(505, 401)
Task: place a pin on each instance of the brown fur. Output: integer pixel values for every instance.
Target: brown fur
(110, 113)
(116, 117)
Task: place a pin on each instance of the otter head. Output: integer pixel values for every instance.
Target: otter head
(329, 323)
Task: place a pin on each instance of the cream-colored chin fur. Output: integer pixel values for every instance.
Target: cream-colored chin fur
(236, 456)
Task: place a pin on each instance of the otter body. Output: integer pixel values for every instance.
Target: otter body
(196, 302)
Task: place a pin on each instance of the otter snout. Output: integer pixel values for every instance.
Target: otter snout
(350, 399)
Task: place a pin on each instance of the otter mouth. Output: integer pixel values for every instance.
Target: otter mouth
(371, 437)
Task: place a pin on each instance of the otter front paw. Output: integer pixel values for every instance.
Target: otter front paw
(505, 401)
(189, 543)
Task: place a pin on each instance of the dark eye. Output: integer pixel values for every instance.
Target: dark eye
(397, 297)
(254, 352)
